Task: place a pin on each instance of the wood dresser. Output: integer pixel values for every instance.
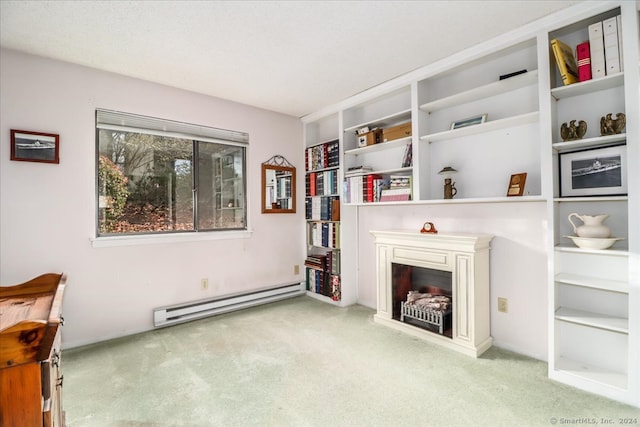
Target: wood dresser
(30, 350)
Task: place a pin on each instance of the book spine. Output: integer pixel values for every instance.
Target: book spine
(584, 61)
(611, 46)
(596, 49)
(619, 24)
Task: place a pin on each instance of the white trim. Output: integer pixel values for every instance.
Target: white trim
(152, 239)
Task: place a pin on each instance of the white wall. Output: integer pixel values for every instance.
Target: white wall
(518, 266)
(47, 211)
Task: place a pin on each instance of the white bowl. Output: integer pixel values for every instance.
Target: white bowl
(593, 243)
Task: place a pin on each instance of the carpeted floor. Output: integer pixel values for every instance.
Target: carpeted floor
(301, 362)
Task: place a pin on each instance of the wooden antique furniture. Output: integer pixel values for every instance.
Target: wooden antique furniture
(30, 344)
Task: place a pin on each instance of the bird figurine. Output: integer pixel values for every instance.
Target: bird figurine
(570, 131)
(611, 126)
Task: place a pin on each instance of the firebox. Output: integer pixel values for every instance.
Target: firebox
(422, 297)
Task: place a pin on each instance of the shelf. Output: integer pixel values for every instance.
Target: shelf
(582, 88)
(522, 199)
(383, 121)
(489, 126)
(561, 147)
(594, 320)
(382, 172)
(323, 169)
(575, 249)
(379, 147)
(592, 373)
(482, 92)
(591, 199)
(592, 282)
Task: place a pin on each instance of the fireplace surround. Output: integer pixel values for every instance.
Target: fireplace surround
(466, 257)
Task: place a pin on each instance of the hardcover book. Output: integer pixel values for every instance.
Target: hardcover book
(566, 62)
(584, 61)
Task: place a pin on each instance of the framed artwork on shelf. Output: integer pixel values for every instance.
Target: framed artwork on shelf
(516, 184)
(28, 146)
(470, 121)
(600, 171)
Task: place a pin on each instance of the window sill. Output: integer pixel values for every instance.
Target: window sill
(152, 239)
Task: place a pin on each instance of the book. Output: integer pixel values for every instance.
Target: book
(565, 61)
(584, 61)
(395, 194)
(596, 50)
(407, 159)
(611, 46)
(619, 23)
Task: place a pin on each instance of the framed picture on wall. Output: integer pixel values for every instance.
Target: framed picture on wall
(600, 171)
(28, 146)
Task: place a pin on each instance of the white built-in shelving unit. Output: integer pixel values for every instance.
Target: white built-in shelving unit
(594, 295)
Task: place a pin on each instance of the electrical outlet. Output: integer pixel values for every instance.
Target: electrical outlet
(204, 284)
(296, 269)
(503, 305)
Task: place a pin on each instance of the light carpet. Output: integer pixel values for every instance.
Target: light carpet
(301, 362)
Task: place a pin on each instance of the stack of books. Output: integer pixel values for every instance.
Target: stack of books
(399, 189)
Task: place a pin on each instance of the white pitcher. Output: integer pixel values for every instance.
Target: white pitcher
(592, 226)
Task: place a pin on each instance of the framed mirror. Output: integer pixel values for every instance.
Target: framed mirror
(278, 186)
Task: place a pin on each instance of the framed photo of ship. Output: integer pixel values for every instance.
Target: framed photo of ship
(598, 171)
(28, 146)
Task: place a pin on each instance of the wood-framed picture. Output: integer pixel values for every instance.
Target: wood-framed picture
(470, 121)
(600, 171)
(29, 146)
(516, 184)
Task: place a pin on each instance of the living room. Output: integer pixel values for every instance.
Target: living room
(49, 213)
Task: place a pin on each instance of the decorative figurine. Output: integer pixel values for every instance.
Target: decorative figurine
(571, 132)
(609, 126)
(450, 189)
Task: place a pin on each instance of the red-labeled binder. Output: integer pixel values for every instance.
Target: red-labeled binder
(584, 61)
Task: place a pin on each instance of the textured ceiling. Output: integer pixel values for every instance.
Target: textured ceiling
(293, 57)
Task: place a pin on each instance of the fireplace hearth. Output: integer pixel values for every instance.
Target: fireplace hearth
(435, 287)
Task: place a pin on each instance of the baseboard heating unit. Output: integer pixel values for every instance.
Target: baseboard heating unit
(179, 313)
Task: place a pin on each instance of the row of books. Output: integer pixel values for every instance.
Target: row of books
(325, 284)
(324, 234)
(373, 188)
(323, 183)
(599, 56)
(329, 262)
(321, 156)
(325, 208)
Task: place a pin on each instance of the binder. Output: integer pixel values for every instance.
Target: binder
(619, 23)
(611, 46)
(584, 61)
(596, 49)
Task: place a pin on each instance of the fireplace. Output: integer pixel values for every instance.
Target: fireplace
(435, 287)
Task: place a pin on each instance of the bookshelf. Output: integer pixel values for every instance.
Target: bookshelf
(593, 310)
(323, 183)
(590, 291)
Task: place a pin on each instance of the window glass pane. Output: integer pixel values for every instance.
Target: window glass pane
(145, 183)
(221, 187)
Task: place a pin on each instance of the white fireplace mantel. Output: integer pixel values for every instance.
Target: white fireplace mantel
(466, 256)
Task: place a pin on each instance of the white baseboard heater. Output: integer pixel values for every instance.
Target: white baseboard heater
(179, 313)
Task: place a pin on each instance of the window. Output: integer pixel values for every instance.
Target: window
(160, 176)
